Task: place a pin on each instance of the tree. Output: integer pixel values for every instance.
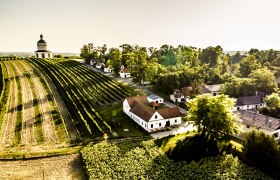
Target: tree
(272, 101)
(212, 114)
(262, 151)
(114, 60)
(247, 65)
(236, 58)
(238, 87)
(264, 80)
(211, 55)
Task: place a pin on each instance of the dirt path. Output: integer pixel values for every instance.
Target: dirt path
(72, 132)
(60, 167)
(28, 135)
(8, 127)
(45, 109)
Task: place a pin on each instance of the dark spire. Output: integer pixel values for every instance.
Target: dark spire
(41, 37)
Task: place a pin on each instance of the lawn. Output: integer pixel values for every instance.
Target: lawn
(119, 121)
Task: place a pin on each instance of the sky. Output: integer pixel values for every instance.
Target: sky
(69, 24)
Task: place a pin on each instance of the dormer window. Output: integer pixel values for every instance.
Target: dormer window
(155, 116)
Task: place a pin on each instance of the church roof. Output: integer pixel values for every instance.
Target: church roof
(42, 41)
(43, 51)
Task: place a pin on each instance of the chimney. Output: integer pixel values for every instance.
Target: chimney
(270, 124)
(266, 120)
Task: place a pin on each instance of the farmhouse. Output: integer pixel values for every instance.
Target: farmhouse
(144, 113)
(181, 95)
(154, 98)
(211, 89)
(100, 65)
(252, 121)
(249, 102)
(42, 51)
(107, 68)
(125, 73)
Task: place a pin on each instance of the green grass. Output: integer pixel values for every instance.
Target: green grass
(118, 120)
(133, 90)
(168, 143)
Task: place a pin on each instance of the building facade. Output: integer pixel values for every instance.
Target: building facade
(149, 118)
(42, 51)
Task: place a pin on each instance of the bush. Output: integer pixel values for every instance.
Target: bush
(262, 151)
(132, 159)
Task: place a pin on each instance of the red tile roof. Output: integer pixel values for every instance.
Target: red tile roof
(169, 112)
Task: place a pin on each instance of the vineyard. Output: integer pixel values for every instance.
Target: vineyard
(53, 102)
(28, 111)
(135, 159)
(83, 91)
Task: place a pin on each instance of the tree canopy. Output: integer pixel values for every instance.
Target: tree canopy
(212, 114)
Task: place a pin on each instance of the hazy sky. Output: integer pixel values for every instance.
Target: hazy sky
(68, 24)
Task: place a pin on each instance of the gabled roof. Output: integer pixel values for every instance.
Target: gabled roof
(125, 70)
(170, 112)
(248, 100)
(140, 106)
(142, 99)
(143, 111)
(209, 88)
(259, 120)
(186, 90)
(99, 64)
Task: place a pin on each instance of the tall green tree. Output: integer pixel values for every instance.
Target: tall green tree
(247, 65)
(262, 151)
(238, 87)
(264, 80)
(212, 114)
(115, 57)
(272, 101)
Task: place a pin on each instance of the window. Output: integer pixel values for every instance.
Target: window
(152, 125)
(142, 123)
(159, 124)
(155, 116)
(238, 108)
(175, 120)
(248, 126)
(145, 125)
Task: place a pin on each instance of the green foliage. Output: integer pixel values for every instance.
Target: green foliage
(262, 151)
(264, 80)
(132, 159)
(247, 65)
(212, 114)
(238, 87)
(236, 58)
(272, 101)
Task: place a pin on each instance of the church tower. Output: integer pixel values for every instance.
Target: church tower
(42, 51)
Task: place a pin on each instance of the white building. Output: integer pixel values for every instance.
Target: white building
(125, 73)
(249, 102)
(42, 51)
(214, 90)
(100, 65)
(140, 110)
(107, 68)
(181, 95)
(154, 98)
(252, 121)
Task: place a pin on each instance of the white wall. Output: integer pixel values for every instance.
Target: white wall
(124, 74)
(248, 107)
(107, 70)
(158, 100)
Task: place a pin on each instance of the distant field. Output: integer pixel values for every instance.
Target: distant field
(61, 167)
